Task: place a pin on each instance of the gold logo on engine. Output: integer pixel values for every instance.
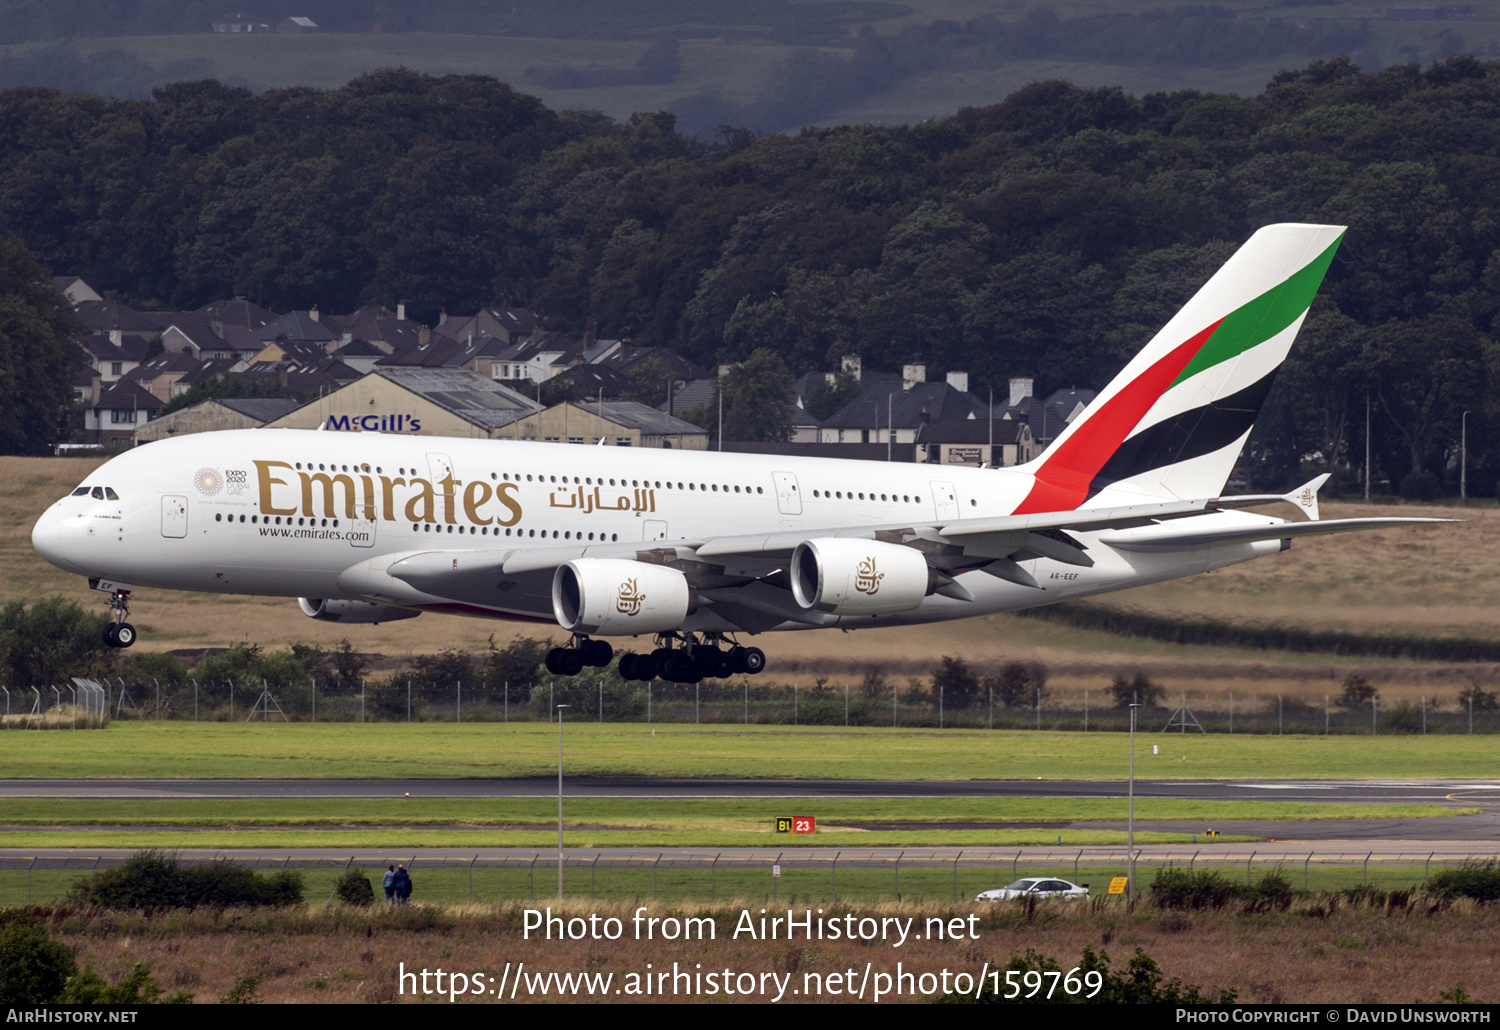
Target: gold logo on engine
(866, 579)
(629, 601)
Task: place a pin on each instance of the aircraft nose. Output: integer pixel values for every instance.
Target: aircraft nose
(46, 537)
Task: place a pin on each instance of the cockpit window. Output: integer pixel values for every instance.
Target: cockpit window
(97, 493)
(109, 494)
(82, 491)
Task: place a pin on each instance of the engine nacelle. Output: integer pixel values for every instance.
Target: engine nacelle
(844, 576)
(616, 597)
(351, 611)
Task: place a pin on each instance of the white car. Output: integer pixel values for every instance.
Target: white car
(1037, 886)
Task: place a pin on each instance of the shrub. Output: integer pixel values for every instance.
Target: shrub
(155, 878)
(136, 987)
(956, 683)
(1274, 890)
(1018, 683)
(1403, 718)
(445, 668)
(1357, 693)
(1419, 486)
(51, 640)
(1483, 700)
(144, 667)
(1477, 880)
(33, 967)
(355, 888)
(518, 664)
(1138, 689)
(1180, 888)
(244, 990)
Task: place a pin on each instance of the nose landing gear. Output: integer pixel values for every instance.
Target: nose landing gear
(119, 633)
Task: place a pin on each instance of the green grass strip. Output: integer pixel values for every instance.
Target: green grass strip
(752, 815)
(497, 750)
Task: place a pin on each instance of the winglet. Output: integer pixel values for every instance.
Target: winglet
(1306, 496)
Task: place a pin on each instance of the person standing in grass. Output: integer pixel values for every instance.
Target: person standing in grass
(402, 884)
(390, 884)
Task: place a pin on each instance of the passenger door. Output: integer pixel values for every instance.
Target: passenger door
(944, 499)
(788, 498)
(173, 516)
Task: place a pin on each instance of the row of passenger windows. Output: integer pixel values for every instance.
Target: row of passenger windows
(418, 527)
(518, 532)
(515, 477)
(268, 520)
(849, 495)
(332, 467)
(98, 493)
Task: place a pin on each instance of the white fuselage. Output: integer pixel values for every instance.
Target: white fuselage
(285, 512)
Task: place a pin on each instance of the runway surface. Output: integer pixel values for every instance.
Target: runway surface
(1403, 792)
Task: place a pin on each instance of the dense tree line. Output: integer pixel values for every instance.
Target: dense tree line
(1048, 235)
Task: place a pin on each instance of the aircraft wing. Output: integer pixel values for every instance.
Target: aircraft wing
(1172, 538)
(744, 580)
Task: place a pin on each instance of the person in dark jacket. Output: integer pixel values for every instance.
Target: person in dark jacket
(402, 884)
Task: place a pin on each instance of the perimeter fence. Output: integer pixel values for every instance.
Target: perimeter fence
(767, 876)
(604, 697)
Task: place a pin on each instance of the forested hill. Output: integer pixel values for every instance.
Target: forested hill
(1048, 235)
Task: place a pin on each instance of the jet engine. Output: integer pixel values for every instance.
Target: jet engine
(844, 576)
(616, 597)
(351, 611)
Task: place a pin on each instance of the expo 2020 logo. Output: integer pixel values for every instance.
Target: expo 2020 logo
(208, 482)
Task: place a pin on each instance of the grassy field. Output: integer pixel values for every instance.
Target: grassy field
(632, 822)
(439, 750)
(1440, 581)
(811, 884)
(853, 816)
(1349, 953)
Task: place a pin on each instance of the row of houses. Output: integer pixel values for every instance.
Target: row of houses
(484, 374)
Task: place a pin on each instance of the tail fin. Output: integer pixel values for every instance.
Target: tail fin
(1172, 423)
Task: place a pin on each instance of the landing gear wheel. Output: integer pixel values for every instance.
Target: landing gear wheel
(597, 653)
(551, 661)
(659, 659)
(680, 668)
(627, 667)
(109, 634)
(124, 634)
(753, 660)
(569, 662)
(715, 664)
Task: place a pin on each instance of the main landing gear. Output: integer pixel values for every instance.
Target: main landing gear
(692, 661)
(570, 661)
(119, 633)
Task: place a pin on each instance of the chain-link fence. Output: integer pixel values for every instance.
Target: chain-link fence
(604, 697)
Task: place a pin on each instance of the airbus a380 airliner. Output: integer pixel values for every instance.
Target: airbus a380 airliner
(692, 549)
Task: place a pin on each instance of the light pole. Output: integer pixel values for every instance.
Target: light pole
(559, 804)
(1463, 460)
(1130, 817)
